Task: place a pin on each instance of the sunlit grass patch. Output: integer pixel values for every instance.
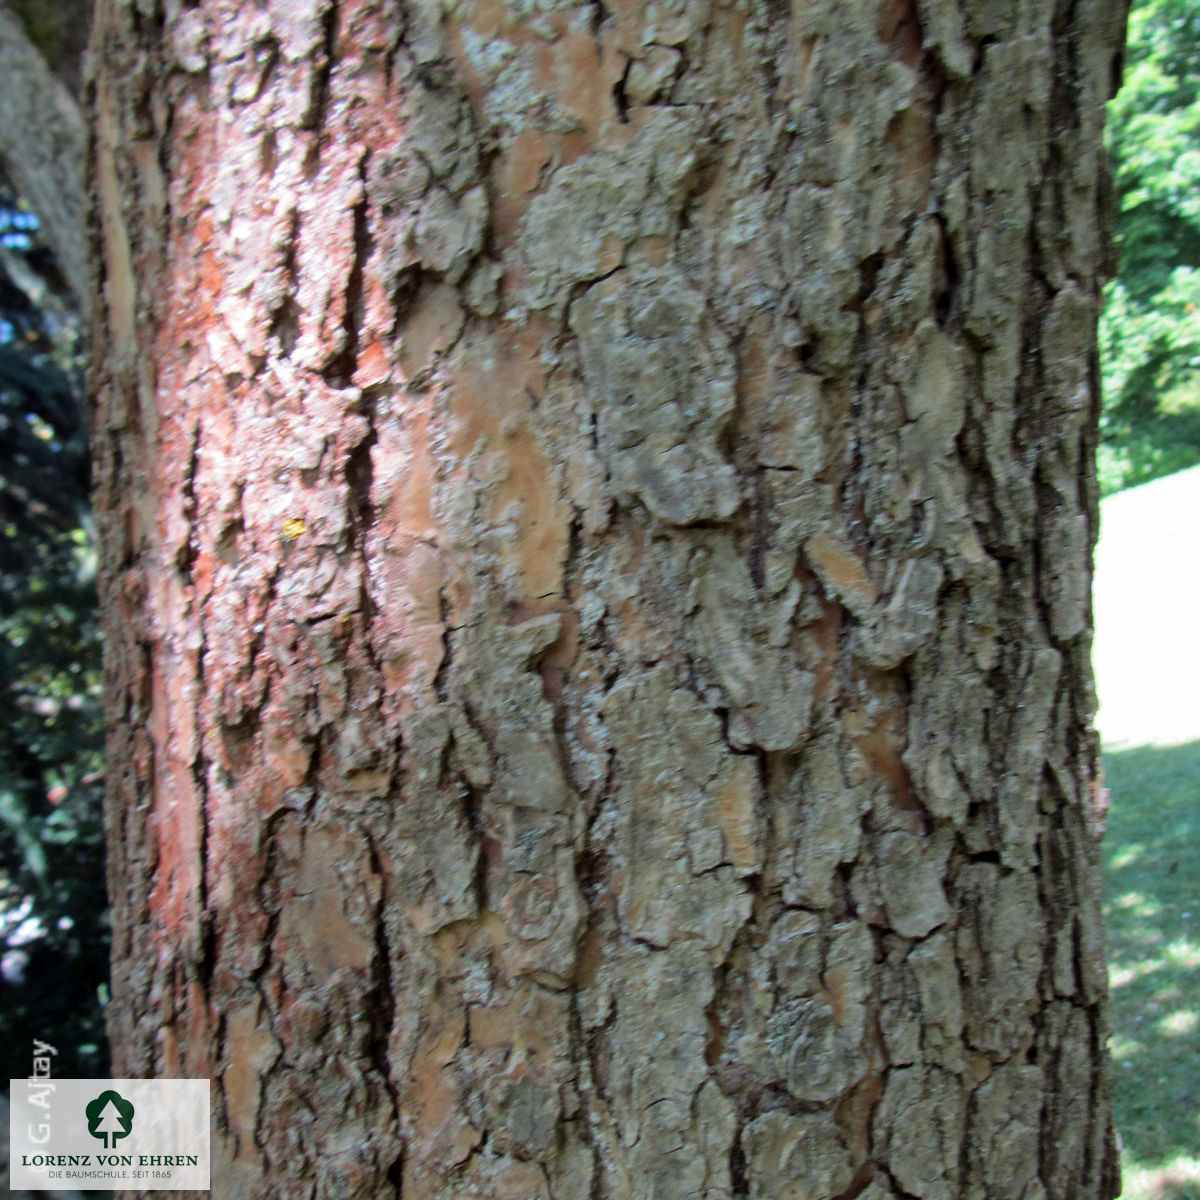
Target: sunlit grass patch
(1179, 1023)
(1152, 852)
(1177, 1180)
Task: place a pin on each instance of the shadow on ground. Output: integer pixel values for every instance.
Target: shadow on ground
(1152, 860)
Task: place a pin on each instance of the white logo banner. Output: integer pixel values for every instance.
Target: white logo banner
(108, 1134)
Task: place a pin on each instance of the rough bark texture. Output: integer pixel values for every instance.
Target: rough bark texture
(598, 506)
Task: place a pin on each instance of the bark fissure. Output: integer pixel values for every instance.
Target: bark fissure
(313, 118)
(381, 1005)
(340, 370)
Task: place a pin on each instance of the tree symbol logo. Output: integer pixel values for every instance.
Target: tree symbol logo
(109, 1116)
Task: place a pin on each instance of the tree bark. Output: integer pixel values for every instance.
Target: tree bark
(597, 510)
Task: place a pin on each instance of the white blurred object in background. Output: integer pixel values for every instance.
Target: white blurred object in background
(1147, 648)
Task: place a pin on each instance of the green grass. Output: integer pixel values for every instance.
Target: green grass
(1152, 858)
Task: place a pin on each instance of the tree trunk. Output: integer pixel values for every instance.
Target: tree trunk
(597, 508)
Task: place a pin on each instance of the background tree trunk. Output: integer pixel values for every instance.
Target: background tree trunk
(598, 507)
(42, 141)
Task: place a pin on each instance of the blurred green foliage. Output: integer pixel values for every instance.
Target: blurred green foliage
(53, 921)
(1150, 330)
